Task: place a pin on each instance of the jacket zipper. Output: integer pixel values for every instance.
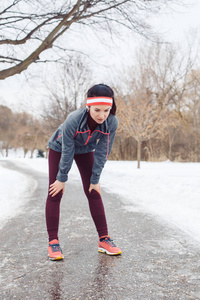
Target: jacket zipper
(89, 136)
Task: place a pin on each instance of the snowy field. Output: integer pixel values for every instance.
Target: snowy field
(168, 190)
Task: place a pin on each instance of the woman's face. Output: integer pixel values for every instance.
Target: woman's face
(99, 113)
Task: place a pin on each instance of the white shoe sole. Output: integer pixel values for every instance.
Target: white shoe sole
(102, 250)
(57, 258)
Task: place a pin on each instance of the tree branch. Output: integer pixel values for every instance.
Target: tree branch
(44, 45)
(28, 36)
(7, 8)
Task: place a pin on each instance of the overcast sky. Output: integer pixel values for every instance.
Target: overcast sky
(174, 25)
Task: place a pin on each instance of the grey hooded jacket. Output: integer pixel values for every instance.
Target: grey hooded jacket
(75, 137)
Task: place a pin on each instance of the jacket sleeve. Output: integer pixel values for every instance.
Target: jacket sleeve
(68, 148)
(102, 152)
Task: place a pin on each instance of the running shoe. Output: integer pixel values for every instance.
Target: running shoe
(54, 250)
(106, 245)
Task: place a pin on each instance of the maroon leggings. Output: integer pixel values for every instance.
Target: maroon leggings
(84, 163)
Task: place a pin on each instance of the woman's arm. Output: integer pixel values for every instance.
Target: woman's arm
(102, 151)
(68, 148)
(67, 155)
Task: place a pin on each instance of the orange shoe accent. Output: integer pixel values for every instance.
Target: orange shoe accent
(54, 250)
(106, 245)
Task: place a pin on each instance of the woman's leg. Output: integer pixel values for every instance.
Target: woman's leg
(53, 203)
(85, 164)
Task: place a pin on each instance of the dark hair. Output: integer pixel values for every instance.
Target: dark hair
(100, 90)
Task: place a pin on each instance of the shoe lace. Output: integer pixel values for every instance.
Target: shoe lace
(108, 241)
(56, 248)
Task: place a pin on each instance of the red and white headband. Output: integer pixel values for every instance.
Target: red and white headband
(99, 101)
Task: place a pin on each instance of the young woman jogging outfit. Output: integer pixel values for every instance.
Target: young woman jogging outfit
(86, 136)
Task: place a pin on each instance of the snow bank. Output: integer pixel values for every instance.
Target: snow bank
(14, 188)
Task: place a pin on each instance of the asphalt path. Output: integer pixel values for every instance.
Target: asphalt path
(158, 261)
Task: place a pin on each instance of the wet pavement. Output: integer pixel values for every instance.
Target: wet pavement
(158, 261)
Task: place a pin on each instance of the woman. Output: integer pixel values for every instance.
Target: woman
(86, 136)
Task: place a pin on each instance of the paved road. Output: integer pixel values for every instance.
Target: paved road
(158, 261)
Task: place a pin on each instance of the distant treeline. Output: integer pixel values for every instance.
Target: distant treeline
(178, 141)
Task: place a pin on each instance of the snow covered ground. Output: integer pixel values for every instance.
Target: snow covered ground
(168, 190)
(14, 191)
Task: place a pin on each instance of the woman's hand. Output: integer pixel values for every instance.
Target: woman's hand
(95, 187)
(56, 187)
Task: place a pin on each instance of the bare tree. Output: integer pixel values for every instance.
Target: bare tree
(141, 118)
(160, 75)
(66, 90)
(192, 111)
(165, 69)
(28, 28)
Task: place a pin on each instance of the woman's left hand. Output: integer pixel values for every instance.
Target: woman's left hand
(95, 187)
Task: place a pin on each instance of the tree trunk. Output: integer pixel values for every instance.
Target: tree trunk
(47, 152)
(7, 147)
(151, 155)
(138, 154)
(25, 151)
(171, 140)
(32, 151)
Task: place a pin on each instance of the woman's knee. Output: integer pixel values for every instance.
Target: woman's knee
(56, 198)
(93, 194)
